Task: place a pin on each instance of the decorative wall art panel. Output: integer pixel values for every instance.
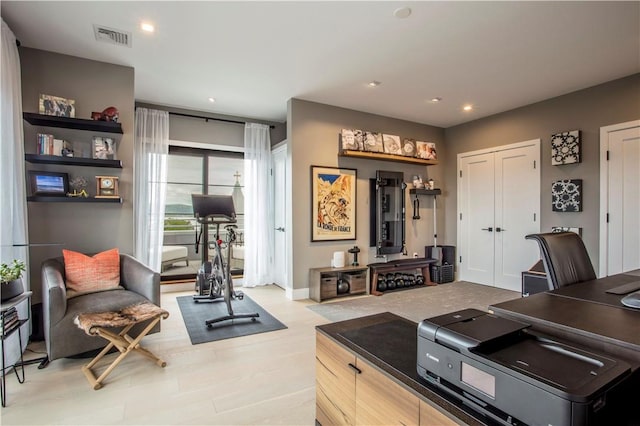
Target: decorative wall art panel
(566, 195)
(566, 229)
(565, 148)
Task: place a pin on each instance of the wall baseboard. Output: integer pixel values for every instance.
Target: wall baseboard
(297, 293)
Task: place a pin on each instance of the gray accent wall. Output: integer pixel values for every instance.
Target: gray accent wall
(314, 131)
(84, 227)
(585, 110)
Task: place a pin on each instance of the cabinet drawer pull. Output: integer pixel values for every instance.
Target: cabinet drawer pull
(356, 369)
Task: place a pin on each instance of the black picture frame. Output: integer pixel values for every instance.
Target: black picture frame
(49, 183)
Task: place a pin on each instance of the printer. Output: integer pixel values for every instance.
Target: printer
(514, 375)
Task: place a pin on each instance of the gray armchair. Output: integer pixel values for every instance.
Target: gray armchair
(63, 338)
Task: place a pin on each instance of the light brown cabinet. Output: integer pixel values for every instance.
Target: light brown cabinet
(323, 282)
(350, 391)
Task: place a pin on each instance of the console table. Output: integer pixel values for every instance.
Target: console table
(323, 282)
(421, 263)
(10, 358)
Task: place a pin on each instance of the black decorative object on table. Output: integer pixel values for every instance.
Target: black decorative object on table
(354, 250)
(343, 286)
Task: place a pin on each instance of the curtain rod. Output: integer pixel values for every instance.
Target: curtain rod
(212, 118)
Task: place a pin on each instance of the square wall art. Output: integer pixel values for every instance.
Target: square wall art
(566, 195)
(565, 148)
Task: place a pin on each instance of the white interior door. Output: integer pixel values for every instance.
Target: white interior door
(623, 203)
(498, 204)
(517, 211)
(476, 187)
(279, 156)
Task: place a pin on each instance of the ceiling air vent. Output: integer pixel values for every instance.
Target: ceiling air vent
(111, 35)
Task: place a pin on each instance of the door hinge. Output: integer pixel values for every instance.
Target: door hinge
(534, 217)
(607, 155)
(460, 173)
(607, 217)
(534, 164)
(460, 216)
(460, 259)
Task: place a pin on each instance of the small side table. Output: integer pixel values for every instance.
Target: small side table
(5, 307)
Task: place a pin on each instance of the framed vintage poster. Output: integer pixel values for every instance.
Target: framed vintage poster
(333, 203)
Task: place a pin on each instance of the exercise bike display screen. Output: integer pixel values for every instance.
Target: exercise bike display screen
(215, 207)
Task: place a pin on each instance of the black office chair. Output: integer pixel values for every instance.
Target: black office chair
(565, 258)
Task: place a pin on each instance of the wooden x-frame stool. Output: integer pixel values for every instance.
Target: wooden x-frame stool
(96, 324)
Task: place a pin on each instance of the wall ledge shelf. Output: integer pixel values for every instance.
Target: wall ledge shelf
(72, 161)
(422, 191)
(72, 123)
(54, 199)
(387, 157)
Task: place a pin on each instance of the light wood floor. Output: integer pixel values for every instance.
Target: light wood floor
(266, 378)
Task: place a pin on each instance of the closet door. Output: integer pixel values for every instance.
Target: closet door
(498, 205)
(476, 214)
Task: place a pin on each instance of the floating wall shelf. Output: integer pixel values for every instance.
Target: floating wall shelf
(72, 123)
(49, 199)
(420, 191)
(72, 161)
(387, 157)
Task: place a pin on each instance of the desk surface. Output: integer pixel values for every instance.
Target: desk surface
(583, 309)
(595, 291)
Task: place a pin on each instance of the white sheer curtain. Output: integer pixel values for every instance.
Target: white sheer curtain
(151, 149)
(258, 206)
(13, 197)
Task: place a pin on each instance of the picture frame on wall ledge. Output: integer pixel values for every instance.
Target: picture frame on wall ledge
(392, 144)
(565, 148)
(56, 106)
(566, 195)
(104, 148)
(409, 147)
(352, 140)
(373, 142)
(49, 183)
(556, 229)
(426, 150)
(333, 203)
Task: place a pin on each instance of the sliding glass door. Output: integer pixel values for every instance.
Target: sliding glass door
(198, 171)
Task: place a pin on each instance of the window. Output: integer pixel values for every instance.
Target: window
(198, 171)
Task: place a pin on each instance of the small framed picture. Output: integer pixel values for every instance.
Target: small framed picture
(54, 105)
(104, 148)
(426, 150)
(392, 144)
(49, 183)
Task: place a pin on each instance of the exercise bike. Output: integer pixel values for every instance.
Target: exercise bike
(214, 279)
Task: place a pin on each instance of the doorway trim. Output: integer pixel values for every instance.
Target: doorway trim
(604, 190)
(460, 156)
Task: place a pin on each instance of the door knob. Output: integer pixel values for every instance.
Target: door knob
(498, 229)
(280, 228)
(490, 229)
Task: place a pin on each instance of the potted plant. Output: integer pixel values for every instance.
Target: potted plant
(11, 279)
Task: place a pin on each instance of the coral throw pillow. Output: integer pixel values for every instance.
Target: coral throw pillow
(86, 274)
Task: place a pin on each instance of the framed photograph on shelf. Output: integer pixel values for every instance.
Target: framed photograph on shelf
(54, 105)
(333, 203)
(426, 150)
(104, 148)
(351, 140)
(373, 142)
(392, 144)
(49, 183)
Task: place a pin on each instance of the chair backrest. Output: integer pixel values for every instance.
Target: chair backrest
(565, 258)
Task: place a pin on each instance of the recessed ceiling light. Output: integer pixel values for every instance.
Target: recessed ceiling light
(375, 83)
(212, 100)
(436, 99)
(467, 107)
(145, 26)
(402, 12)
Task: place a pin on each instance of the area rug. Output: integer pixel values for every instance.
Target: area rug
(195, 314)
(417, 304)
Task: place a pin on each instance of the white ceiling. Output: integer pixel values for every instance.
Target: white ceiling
(253, 56)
